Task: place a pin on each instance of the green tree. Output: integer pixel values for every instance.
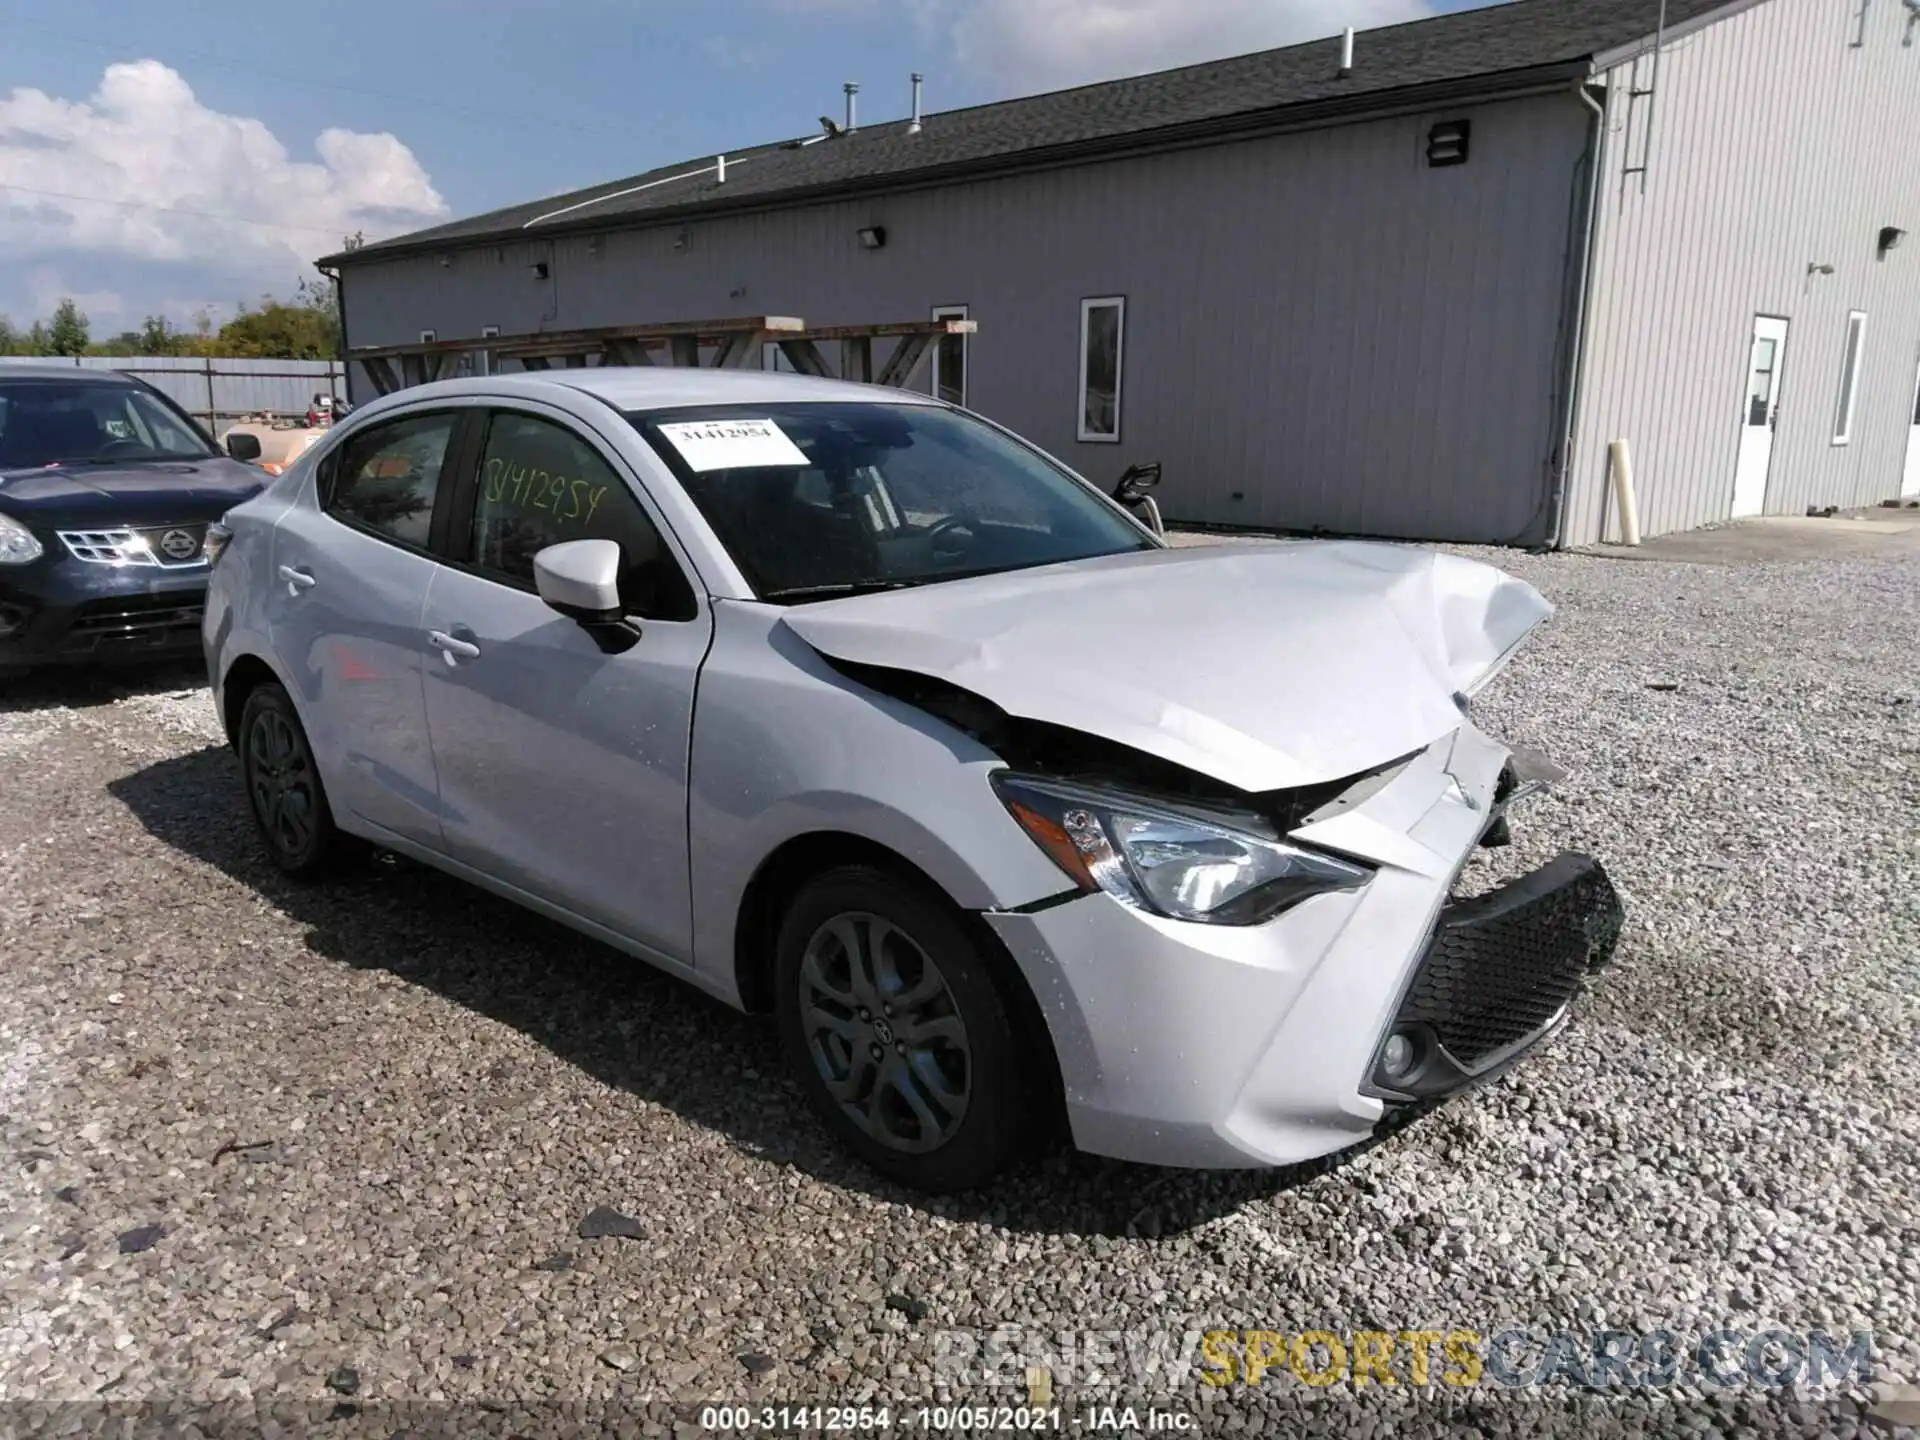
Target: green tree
(39, 342)
(67, 332)
(12, 342)
(286, 330)
(157, 337)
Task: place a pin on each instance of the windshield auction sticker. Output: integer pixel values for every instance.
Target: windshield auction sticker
(732, 444)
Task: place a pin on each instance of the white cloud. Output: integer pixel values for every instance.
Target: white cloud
(1020, 46)
(181, 176)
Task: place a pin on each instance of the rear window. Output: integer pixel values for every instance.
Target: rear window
(385, 478)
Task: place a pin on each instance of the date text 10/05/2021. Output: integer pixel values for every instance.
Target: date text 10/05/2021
(948, 1419)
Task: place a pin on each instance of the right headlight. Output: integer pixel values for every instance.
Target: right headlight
(1158, 858)
(17, 543)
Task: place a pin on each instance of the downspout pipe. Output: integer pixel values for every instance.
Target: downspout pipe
(340, 336)
(1556, 528)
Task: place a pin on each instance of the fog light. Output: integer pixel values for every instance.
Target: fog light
(12, 619)
(1397, 1056)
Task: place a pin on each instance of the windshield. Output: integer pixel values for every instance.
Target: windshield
(815, 500)
(58, 422)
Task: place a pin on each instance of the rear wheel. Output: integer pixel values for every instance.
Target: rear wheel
(283, 785)
(896, 1030)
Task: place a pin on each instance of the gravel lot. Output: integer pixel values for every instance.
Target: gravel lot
(433, 1089)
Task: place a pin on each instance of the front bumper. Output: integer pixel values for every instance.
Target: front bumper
(1498, 975)
(67, 612)
(1215, 1046)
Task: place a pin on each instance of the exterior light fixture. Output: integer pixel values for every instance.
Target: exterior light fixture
(1815, 267)
(1890, 238)
(872, 237)
(539, 268)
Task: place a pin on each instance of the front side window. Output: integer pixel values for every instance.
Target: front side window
(1103, 325)
(57, 422)
(384, 479)
(1849, 378)
(541, 484)
(812, 500)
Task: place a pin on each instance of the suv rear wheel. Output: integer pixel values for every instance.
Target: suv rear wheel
(896, 1030)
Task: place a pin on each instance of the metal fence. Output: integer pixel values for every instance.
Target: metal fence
(218, 390)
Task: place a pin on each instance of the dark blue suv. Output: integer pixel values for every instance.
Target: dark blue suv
(106, 491)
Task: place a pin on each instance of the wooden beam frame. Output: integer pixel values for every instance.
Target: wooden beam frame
(905, 359)
(734, 344)
(856, 359)
(805, 357)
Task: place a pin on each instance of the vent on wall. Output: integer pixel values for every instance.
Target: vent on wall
(1447, 143)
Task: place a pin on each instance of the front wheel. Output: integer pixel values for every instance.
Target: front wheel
(896, 1030)
(283, 784)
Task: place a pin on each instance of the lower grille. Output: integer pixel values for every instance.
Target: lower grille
(134, 624)
(1500, 969)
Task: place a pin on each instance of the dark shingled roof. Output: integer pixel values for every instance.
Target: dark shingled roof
(1517, 42)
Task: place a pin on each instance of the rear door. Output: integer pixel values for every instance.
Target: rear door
(562, 750)
(351, 571)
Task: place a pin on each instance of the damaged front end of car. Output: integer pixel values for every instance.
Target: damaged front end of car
(1285, 806)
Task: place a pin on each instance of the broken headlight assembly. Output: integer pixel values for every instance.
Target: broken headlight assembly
(1167, 860)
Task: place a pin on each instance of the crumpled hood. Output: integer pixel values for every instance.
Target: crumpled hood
(1264, 667)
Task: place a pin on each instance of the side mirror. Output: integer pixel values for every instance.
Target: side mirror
(245, 447)
(1137, 482)
(580, 579)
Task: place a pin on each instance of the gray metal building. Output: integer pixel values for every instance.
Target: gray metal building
(1416, 297)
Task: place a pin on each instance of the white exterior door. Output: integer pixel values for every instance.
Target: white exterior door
(1910, 482)
(1764, 362)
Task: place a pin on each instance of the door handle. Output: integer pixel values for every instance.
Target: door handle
(297, 580)
(454, 650)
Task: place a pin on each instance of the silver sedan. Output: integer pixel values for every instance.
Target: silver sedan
(844, 704)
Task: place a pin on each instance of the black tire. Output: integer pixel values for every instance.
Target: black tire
(1001, 1096)
(284, 792)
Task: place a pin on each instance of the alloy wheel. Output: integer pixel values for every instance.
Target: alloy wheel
(281, 781)
(883, 1031)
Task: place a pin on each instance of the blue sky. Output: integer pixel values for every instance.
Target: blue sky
(233, 141)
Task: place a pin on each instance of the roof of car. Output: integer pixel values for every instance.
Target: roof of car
(12, 370)
(639, 387)
(1499, 46)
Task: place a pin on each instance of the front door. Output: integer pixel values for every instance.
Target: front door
(1764, 362)
(351, 574)
(562, 750)
(1910, 482)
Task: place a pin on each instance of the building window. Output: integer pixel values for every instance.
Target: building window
(1103, 326)
(1849, 377)
(427, 337)
(950, 359)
